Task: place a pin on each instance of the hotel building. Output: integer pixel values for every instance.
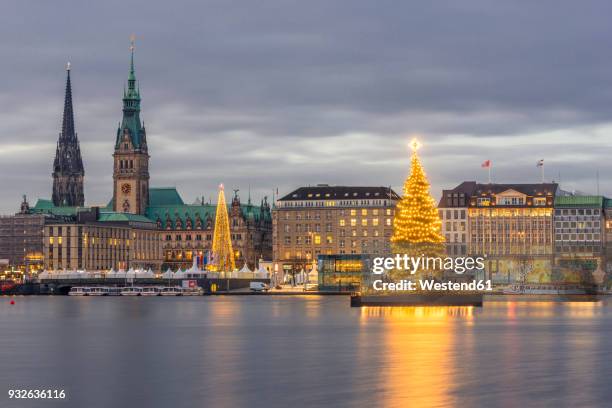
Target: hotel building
(453, 210)
(326, 220)
(101, 241)
(510, 224)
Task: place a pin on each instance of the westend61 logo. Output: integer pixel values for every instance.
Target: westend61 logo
(413, 264)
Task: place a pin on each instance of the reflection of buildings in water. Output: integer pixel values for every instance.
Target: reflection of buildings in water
(418, 311)
(418, 346)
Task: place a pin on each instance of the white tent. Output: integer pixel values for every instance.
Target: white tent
(168, 274)
(179, 274)
(245, 269)
(313, 275)
(262, 272)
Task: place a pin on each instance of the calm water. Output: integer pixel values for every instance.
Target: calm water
(303, 351)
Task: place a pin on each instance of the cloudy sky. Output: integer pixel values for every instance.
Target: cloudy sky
(286, 93)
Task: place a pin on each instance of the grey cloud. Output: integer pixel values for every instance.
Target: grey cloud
(283, 93)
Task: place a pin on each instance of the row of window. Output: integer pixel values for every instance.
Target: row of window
(316, 215)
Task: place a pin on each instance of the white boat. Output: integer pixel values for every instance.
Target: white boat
(172, 291)
(131, 291)
(192, 291)
(99, 291)
(79, 291)
(149, 291)
(544, 289)
(114, 291)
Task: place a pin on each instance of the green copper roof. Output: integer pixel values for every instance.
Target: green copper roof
(44, 206)
(131, 111)
(164, 196)
(579, 201)
(122, 217)
(171, 215)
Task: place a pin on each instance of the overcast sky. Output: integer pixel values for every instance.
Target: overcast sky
(287, 93)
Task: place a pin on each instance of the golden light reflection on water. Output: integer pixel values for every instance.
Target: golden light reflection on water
(423, 346)
(419, 351)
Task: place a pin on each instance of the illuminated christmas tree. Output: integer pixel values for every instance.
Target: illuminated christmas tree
(222, 253)
(417, 226)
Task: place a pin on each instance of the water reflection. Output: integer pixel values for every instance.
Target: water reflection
(307, 351)
(419, 344)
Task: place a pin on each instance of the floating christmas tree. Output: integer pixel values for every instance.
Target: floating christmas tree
(222, 252)
(416, 216)
(417, 226)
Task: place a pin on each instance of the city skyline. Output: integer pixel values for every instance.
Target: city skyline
(273, 97)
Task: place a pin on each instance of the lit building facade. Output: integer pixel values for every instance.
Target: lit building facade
(21, 239)
(579, 237)
(102, 241)
(187, 230)
(329, 220)
(453, 210)
(511, 225)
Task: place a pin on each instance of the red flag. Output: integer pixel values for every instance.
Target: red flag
(486, 164)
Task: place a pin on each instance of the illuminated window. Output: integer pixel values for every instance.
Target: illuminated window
(329, 239)
(375, 222)
(364, 222)
(364, 212)
(342, 223)
(483, 202)
(317, 239)
(388, 221)
(353, 222)
(353, 212)
(375, 211)
(539, 201)
(51, 240)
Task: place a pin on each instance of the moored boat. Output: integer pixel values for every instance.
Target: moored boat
(545, 289)
(131, 291)
(149, 291)
(197, 291)
(171, 291)
(79, 291)
(99, 291)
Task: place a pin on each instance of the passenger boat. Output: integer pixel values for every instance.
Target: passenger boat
(114, 291)
(198, 291)
(545, 289)
(99, 291)
(149, 291)
(171, 291)
(79, 291)
(131, 291)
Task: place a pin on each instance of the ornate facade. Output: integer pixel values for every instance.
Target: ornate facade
(131, 157)
(187, 230)
(68, 172)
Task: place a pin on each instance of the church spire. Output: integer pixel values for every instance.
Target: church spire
(68, 119)
(131, 109)
(68, 169)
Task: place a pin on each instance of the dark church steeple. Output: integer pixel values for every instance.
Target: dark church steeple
(68, 172)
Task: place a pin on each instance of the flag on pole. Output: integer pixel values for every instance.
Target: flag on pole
(487, 165)
(540, 163)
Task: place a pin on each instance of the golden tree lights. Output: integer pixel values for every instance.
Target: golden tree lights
(222, 259)
(416, 216)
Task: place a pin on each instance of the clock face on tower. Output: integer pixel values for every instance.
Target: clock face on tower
(126, 188)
